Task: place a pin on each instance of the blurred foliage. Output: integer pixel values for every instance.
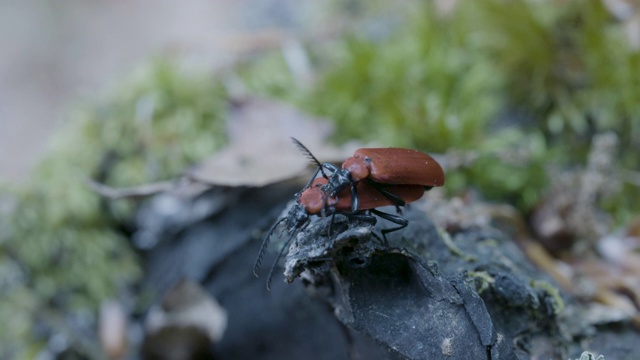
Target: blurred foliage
(422, 86)
(409, 90)
(570, 65)
(157, 122)
(523, 84)
(57, 239)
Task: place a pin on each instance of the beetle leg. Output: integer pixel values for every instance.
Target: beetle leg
(285, 247)
(393, 218)
(382, 240)
(321, 169)
(313, 177)
(328, 207)
(361, 216)
(325, 201)
(330, 167)
(355, 215)
(263, 247)
(367, 218)
(354, 198)
(393, 197)
(330, 232)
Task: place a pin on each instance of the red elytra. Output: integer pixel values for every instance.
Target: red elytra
(394, 166)
(313, 198)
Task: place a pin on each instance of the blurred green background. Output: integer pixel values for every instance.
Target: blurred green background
(515, 90)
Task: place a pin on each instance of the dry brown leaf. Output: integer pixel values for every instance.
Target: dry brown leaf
(260, 150)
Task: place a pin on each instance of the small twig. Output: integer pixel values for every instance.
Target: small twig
(132, 192)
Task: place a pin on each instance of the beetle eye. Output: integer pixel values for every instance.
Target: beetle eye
(357, 168)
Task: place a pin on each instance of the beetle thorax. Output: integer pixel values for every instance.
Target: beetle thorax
(338, 181)
(358, 167)
(312, 200)
(297, 216)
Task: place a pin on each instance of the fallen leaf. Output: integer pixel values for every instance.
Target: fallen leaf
(260, 150)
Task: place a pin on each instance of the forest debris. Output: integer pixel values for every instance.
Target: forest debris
(457, 213)
(187, 305)
(568, 218)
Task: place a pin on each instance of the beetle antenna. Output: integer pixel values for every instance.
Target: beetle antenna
(306, 151)
(263, 247)
(275, 263)
(309, 155)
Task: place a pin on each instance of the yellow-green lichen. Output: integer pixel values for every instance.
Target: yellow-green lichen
(553, 292)
(483, 280)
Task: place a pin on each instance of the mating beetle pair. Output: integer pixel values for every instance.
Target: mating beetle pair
(371, 178)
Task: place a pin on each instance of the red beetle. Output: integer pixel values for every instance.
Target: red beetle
(378, 166)
(312, 200)
(376, 176)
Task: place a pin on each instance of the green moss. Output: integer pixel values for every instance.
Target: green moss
(269, 76)
(570, 64)
(422, 87)
(510, 167)
(151, 127)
